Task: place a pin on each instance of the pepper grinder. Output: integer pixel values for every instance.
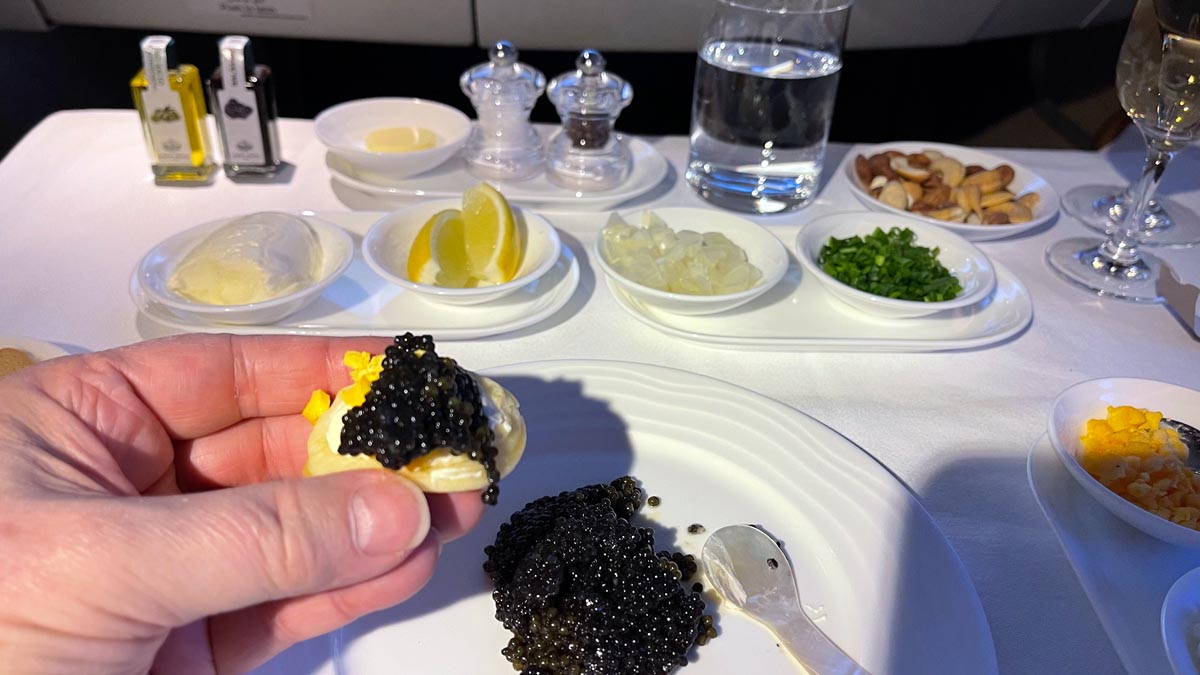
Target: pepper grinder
(586, 154)
(503, 144)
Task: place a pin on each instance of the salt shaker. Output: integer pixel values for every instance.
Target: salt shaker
(503, 144)
(586, 154)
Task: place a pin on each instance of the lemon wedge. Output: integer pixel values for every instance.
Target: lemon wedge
(438, 255)
(400, 139)
(493, 246)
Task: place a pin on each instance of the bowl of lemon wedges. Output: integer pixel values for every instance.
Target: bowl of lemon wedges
(464, 252)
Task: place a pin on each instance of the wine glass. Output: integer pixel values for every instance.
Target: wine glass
(1101, 207)
(1158, 82)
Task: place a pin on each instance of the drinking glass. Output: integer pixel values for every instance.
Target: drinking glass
(1101, 208)
(766, 77)
(1158, 82)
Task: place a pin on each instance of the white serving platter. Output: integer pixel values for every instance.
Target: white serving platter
(800, 315)
(450, 179)
(363, 303)
(1124, 572)
(873, 570)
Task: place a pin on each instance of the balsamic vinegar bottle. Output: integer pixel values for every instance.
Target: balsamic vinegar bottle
(243, 100)
(170, 102)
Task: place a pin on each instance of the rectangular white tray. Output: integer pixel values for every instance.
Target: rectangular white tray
(362, 303)
(799, 315)
(1124, 573)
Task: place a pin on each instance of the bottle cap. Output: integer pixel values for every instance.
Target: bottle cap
(158, 58)
(237, 60)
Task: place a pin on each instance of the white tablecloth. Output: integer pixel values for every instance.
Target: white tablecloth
(79, 208)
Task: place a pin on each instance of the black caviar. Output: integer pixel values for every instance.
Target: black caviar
(421, 402)
(583, 591)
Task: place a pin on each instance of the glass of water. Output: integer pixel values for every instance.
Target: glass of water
(766, 77)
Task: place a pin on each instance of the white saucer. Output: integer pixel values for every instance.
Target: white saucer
(450, 179)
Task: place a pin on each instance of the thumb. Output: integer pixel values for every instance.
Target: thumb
(219, 551)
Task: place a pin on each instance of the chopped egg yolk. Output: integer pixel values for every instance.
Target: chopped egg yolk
(1131, 455)
(364, 370)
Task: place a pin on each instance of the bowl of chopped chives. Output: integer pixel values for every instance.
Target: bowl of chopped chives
(893, 266)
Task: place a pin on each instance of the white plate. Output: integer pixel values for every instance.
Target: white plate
(450, 179)
(1180, 618)
(800, 315)
(363, 303)
(1024, 180)
(40, 350)
(873, 569)
(1124, 572)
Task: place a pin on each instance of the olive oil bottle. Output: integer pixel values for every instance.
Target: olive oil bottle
(242, 94)
(170, 101)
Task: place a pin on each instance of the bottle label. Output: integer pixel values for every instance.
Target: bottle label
(243, 132)
(238, 106)
(162, 105)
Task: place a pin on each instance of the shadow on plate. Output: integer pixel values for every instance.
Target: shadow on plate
(557, 458)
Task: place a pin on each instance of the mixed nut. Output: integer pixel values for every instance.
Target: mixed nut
(931, 184)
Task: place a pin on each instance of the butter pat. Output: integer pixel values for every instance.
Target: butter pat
(251, 259)
(401, 139)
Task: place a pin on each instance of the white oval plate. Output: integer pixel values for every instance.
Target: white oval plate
(450, 179)
(1181, 619)
(1102, 548)
(800, 315)
(360, 302)
(873, 569)
(1024, 180)
(40, 350)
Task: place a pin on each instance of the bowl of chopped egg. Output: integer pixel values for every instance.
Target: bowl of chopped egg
(689, 261)
(1109, 434)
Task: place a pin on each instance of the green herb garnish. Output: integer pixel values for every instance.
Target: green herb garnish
(889, 264)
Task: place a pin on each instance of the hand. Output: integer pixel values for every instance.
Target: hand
(152, 518)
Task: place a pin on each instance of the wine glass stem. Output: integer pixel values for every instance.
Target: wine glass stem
(1121, 249)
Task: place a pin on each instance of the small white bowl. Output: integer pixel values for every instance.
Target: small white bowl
(967, 263)
(158, 265)
(344, 129)
(1024, 180)
(763, 250)
(1090, 400)
(1179, 619)
(388, 242)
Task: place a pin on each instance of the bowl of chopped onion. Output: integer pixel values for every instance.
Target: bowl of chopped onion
(689, 261)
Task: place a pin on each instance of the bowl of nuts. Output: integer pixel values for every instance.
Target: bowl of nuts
(975, 194)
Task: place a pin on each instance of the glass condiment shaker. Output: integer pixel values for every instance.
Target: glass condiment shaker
(503, 144)
(586, 154)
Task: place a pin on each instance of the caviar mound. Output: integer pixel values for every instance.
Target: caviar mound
(411, 411)
(583, 591)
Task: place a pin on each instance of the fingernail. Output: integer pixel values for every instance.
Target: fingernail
(388, 516)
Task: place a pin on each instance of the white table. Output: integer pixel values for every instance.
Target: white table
(80, 208)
